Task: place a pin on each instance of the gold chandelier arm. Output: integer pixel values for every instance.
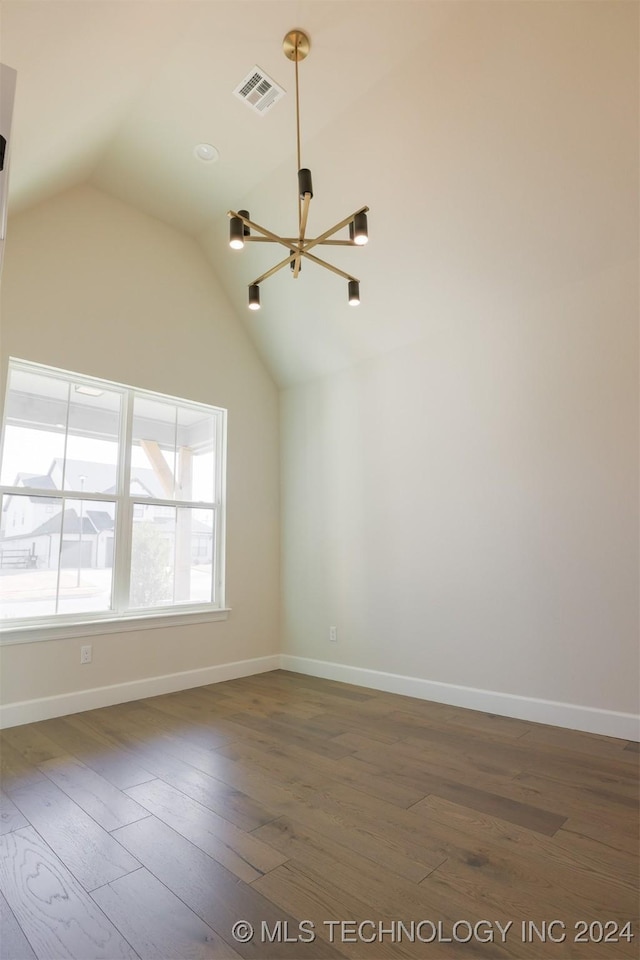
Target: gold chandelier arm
(343, 223)
(321, 263)
(329, 266)
(300, 248)
(267, 233)
(278, 266)
(290, 241)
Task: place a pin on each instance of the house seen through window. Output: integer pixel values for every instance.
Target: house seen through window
(112, 500)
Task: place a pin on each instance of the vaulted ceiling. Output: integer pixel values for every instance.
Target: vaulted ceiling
(495, 143)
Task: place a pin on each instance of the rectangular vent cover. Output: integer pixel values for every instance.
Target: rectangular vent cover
(259, 91)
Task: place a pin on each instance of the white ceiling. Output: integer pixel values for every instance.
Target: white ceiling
(495, 143)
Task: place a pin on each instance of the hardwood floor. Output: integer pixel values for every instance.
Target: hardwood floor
(337, 821)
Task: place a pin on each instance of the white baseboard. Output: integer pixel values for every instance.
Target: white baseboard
(28, 711)
(610, 723)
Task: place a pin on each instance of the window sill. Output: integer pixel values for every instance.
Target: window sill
(92, 628)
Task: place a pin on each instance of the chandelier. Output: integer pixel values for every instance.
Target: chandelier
(296, 47)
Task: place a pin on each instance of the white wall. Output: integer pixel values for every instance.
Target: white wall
(91, 285)
(465, 509)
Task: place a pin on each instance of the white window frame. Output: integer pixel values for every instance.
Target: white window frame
(121, 617)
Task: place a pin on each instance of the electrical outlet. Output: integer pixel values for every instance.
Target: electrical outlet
(333, 634)
(85, 654)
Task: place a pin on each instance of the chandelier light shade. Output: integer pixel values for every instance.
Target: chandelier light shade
(236, 233)
(296, 47)
(254, 296)
(360, 229)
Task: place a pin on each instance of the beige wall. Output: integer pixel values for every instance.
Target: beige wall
(465, 510)
(91, 285)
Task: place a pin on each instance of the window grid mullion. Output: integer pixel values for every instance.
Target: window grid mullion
(159, 502)
(62, 485)
(122, 554)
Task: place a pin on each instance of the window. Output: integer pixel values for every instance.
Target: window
(112, 502)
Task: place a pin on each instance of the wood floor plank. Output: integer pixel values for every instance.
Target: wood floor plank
(379, 703)
(201, 712)
(10, 816)
(577, 768)
(156, 923)
(602, 829)
(334, 725)
(237, 850)
(356, 833)
(100, 753)
(524, 754)
(153, 723)
(363, 776)
(511, 884)
(291, 763)
(355, 741)
(514, 811)
(187, 767)
(107, 805)
(456, 784)
(342, 721)
(573, 799)
(576, 741)
(59, 918)
(386, 896)
(92, 855)
(15, 771)
(581, 854)
(212, 891)
(254, 695)
(245, 812)
(448, 759)
(319, 900)
(345, 869)
(499, 754)
(348, 691)
(283, 795)
(30, 741)
(491, 724)
(193, 770)
(545, 792)
(13, 943)
(344, 804)
(286, 733)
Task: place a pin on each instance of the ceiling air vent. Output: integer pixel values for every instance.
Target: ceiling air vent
(259, 91)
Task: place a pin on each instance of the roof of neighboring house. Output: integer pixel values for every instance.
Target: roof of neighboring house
(33, 480)
(100, 519)
(93, 521)
(46, 482)
(98, 478)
